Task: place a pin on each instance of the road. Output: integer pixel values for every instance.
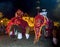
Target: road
(6, 41)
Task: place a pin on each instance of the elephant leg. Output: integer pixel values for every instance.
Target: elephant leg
(27, 32)
(37, 36)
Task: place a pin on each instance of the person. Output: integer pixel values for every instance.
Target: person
(54, 36)
(44, 12)
(58, 36)
(46, 27)
(2, 28)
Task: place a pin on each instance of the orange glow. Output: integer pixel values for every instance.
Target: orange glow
(56, 23)
(4, 21)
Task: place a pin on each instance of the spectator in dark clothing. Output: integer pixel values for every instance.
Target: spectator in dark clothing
(2, 29)
(54, 33)
(58, 36)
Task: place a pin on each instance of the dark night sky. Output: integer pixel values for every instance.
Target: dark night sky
(8, 7)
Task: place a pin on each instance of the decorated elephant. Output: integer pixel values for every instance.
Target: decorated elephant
(19, 23)
(40, 20)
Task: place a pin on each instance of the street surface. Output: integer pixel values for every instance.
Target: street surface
(6, 41)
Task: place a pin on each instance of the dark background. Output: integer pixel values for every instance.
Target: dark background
(9, 7)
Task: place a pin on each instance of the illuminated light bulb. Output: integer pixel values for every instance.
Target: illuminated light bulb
(1, 20)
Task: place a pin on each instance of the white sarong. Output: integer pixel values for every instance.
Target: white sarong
(54, 40)
(19, 36)
(27, 36)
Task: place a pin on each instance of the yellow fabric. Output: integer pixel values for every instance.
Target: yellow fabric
(27, 30)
